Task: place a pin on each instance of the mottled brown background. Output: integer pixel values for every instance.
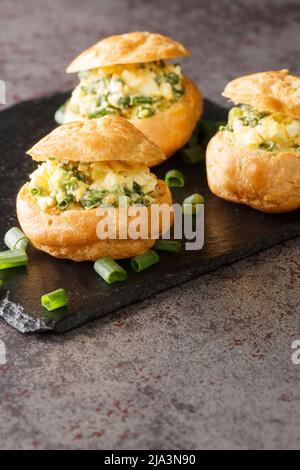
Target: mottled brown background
(205, 365)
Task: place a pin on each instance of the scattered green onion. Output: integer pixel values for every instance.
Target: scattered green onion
(109, 270)
(56, 299)
(192, 155)
(16, 239)
(190, 204)
(205, 130)
(174, 179)
(173, 246)
(13, 258)
(1, 283)
(144, 261)
(193, 142)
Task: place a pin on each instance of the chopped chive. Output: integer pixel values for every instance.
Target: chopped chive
(109, 270)
(144, 261)
(268, 146)
(16, 239)
(172, 78)
(192, 155)
(64, 203)
(56, 299)
(36, 191)
(141, 100)
(173, 246)
(13, 258)
(93, 198)
(174, 179)
(98, 113)
(190, 203)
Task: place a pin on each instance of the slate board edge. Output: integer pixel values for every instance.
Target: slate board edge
(12, 312)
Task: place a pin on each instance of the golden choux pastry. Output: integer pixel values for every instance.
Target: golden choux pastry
(255, 158)
(127, 75)
(85, 166)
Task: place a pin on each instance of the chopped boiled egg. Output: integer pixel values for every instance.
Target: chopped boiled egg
(252, 128)
(104, 183)
(112, 89)
(248, 136)
(45, 202)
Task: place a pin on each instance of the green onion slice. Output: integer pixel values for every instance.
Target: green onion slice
(36, 191)
(193, 142)
(59, 116)
(173, 246)
(192, 155)
(205, 130)
(268, 146)
(13, 258)
(174, 179)
(190, 203)
(144, 261)
(56, 299)
(225, 127)
(1, 283)
(109, 270)
(233, 114)
(64, 203)
(172, 78)
(141, 99)
(16, 239)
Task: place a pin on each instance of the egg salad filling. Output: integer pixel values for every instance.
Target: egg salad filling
(66, 185)
(272, 132)
(131, 90)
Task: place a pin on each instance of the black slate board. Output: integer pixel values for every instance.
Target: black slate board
(231, 233)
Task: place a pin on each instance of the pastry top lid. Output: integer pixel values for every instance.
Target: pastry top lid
(129, 48)
(274, 92)
(110, 138)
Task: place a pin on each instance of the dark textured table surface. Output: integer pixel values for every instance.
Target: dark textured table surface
(207, 364)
